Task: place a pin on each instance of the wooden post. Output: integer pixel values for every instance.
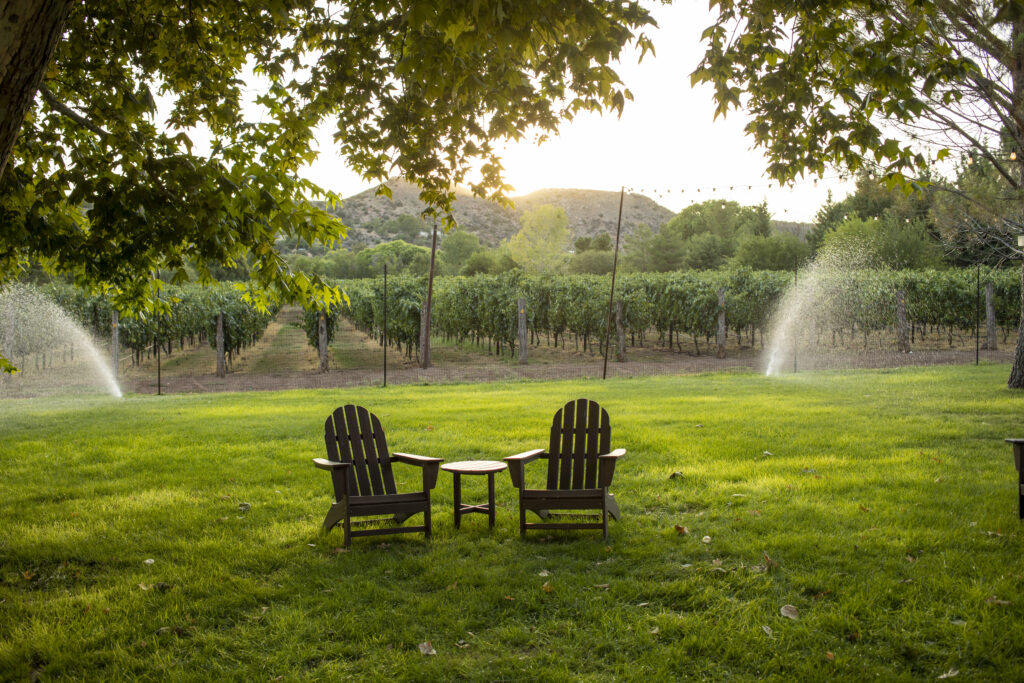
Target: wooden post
(620, 332)
(720, 333)
(521, 305)
(222, 369)
(902, 329)
(115, 343)
(425, 320)
(990, 317)
(322, 339)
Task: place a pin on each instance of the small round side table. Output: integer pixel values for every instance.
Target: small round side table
(474, 467)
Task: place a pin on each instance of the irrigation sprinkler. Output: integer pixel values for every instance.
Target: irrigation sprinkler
(611, 295)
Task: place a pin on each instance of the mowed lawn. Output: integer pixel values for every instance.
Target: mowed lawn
(881, 505)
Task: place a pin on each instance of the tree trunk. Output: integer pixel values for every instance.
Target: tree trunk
(29, 32)
(222, 369)
(521, 303)
(1016, 380)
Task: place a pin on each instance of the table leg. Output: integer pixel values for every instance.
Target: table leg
(458, 498)
(490, 498)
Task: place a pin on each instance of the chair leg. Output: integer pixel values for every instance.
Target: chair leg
(348, 530)
(604, 521)
(334, 515)
(613, 507)
(426, 518)
(522, 519)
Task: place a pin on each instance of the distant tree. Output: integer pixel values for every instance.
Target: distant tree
(405, 227)
(602, 242)
(883, 243)
(582, 244)
(539, 247)
(457, 247)
(593, 261)
(706, 251)
(480, 262)
(782, 251)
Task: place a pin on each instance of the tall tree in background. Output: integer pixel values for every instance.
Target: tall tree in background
(540, 245)
(859, 83)
(423, 89)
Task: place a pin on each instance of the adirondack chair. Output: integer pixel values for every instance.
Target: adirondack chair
(364, 485)
(580, 469)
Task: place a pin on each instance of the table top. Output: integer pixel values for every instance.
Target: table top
(474, 466)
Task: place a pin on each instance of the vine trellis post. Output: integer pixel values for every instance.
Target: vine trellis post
(611, 295)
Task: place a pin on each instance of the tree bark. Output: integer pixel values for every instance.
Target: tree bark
(29, 33)
(1016, 380)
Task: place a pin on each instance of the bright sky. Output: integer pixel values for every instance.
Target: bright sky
(665, 145)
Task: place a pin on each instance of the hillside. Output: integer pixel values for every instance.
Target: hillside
(590, 212)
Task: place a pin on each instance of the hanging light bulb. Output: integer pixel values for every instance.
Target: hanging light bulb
(1013, 156)
(970, 160)
(749, 187)
(723, 205)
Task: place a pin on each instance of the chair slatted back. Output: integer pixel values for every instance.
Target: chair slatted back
(579, 433)
(354, 435)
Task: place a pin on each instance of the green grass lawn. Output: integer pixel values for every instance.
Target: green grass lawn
(885, 501)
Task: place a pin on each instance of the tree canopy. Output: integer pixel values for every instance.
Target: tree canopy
(540, 246)
(104, 182)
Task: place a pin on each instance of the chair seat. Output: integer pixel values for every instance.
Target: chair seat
(569, 494)
(358, 501)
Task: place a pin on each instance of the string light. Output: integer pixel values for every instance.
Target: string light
(970, 160)
(1013, 156)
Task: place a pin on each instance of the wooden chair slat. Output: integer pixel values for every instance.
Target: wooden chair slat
(337, 420)
(579, 444)
(594, 422)
(383, 455)
(370, 453)
(565, 454)
(604, 442)
(355, 442)
(554, 449)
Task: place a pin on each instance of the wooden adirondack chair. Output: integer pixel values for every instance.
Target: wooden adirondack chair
(364, 485)
(580, 469)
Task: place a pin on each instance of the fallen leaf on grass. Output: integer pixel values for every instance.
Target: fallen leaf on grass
(865, 509)
(829, 656)
(853, 637)
(958, 622)
(676, 475)
(601, 586)
(716, 562)
(27, 575)
(682, 530)
(427, 649)
(769, 562)
(546, 587)
(144, 586)
(244, 507)
(336, 551)
(461, 644)
(767, 453)
(952, 673)
(607, 548)
(430, 428)
(938, 480)
(452, 586)
(996, 601)
(767, 630)
(706, 539)
(756, 513)
(311, 545)
(790, 612)
(911, 558)
(149, 561)
(543, 572)
(509, 597)
(642, 604)
(655, 630)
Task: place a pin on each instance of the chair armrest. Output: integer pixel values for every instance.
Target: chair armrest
(517, 465)
(1014, 440)
(606, 467)
(418, 460)
(428, 465)
(330, 465)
